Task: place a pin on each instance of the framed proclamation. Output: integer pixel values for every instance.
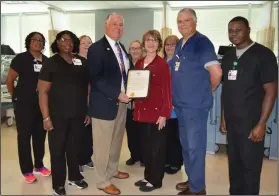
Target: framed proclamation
(138, 83)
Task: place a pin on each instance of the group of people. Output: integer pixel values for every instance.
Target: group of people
(85, 83)
(55, 87)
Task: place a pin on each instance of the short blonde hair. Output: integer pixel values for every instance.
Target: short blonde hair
(136, 41)
(83, 36)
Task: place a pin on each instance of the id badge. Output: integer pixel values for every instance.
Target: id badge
(37, 67)
(77, 62)
(232, 75)
(176, 67)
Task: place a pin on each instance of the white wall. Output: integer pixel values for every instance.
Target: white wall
(30, 23)
(158, 19)
(10, 34)
(275, 25)
(83, 24)
(15, 28)
(213, 22)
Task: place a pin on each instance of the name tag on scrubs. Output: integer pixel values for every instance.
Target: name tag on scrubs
(232, 75)
(176, 67)
(37, 67)
(77, 62)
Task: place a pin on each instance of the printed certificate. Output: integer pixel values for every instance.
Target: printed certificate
(138, 83)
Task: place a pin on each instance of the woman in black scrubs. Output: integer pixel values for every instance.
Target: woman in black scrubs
(85, 139)
(63, 90)
(26, 67)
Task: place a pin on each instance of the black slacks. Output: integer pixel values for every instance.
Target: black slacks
(133, 137)
(29, 123)
(245, 157)
(62, 146)
(174, 149)
(85, 145)
(154, 152)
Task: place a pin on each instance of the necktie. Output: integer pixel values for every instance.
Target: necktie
(123, 71)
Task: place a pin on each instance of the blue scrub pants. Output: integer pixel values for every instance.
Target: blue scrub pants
(193, 134)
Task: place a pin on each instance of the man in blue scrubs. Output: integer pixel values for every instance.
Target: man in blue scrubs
(196, 74)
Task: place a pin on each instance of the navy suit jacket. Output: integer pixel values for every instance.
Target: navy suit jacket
(105, 79)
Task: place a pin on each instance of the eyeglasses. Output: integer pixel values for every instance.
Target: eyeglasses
(37, 40)
(152, 40)
(85, 43)
(135, 49)
(170, 45)
(66, 40)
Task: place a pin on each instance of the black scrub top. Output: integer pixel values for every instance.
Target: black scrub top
(69, 86)
(25, 92)
(243, 97)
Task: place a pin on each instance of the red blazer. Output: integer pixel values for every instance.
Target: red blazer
(159, 101)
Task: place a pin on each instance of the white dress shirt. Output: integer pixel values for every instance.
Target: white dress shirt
(125, 58)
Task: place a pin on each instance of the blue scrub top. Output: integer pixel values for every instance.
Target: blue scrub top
(191, 86)
(173, 114)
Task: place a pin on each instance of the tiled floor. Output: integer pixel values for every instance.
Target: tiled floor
(12, 182)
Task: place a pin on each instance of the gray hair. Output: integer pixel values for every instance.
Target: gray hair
(191, 11)
(113, 14)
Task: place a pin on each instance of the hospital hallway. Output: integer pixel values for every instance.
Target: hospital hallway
(217, 182)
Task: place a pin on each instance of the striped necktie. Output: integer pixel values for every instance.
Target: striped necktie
(123, 71)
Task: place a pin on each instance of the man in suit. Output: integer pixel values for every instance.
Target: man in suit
(108, 66)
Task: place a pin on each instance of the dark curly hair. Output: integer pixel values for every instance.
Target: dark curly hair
(29, 37)
(54, 46)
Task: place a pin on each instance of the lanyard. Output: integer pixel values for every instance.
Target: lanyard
(35, 61)
(178, 59)
(235, 64)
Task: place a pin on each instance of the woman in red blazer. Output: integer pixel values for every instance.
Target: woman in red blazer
(152, 112)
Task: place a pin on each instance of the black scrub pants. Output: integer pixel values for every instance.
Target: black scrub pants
(29, 123)
(62, 147)
(174, 149)
(245, 157)
(85, 145)
(153, 143)
(133, 137)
